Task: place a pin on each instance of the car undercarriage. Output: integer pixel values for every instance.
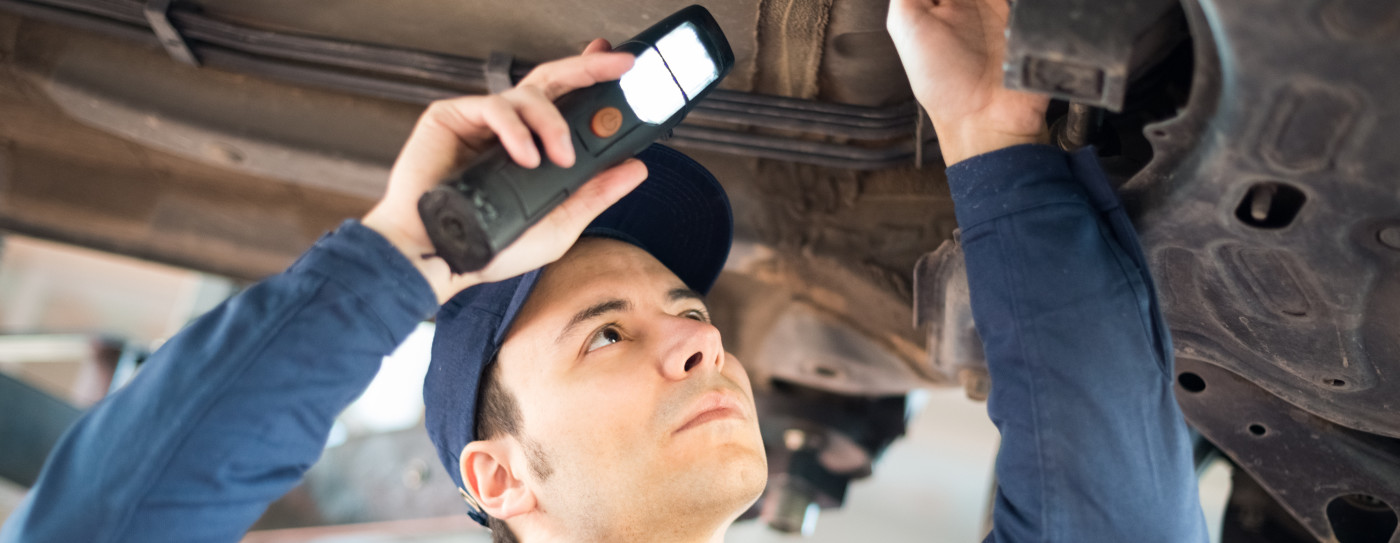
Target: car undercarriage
(1251, 142)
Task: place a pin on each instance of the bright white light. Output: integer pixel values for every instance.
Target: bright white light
(650, 90)
(394, 399)
(688, 59)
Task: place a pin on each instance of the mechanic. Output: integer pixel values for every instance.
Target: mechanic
(578, 391)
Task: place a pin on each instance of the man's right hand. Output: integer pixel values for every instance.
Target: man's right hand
(451, 132)
(953, 51)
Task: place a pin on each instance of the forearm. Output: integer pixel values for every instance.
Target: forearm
(1094, 447)
(227, 415)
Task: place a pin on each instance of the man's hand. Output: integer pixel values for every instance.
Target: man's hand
(953, 52)
(451, 132)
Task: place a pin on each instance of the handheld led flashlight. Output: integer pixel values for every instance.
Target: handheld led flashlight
(474, 215)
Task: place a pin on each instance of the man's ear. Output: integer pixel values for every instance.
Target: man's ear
(490, 477)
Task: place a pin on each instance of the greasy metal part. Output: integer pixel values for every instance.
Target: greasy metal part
(900, 111)
(333, 80)
(1262, 214)
(805, 346)
(831, 155)
(817, 443)
(156, 13)
(31, 421)
(1074, 129)
(1306, 462)
(858, 47)
(791, 507)
(943, 313)
(919, 122)
(1253, 516)
(859, 128)
(811, 320)
(1084, 50)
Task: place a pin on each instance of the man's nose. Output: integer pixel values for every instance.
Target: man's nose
(689, 347)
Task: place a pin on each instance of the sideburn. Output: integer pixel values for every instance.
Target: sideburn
(538, 460)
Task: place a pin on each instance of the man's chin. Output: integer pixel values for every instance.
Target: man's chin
(736, 472)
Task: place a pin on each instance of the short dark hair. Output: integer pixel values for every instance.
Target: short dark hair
(497, 415)
(500, 532)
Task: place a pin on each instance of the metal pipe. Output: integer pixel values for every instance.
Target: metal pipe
(441, 68)
(1077, 126)
(800, 125)
(253, 51)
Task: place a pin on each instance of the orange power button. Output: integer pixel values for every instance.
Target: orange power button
(606, 121)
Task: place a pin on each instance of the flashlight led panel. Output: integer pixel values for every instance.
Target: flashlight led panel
(650, 89)
(685, 54)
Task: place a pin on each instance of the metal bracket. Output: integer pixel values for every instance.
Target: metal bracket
(498, 67)
(157, 14)
(919, 122)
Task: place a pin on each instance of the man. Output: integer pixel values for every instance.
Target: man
(591, 400)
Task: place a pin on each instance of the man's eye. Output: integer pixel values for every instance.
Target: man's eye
(697, 315)
(608, 335)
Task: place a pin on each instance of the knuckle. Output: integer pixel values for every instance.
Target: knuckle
(438, 109)
(496, 102)
(556, 131)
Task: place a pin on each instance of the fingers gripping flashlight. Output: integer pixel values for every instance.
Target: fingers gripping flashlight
(474, 215)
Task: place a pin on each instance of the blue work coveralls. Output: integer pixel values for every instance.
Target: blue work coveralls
(228, 415)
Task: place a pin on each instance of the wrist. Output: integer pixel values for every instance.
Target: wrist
(419, 253)
(958, 143)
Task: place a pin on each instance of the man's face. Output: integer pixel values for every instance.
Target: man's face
(626, 392)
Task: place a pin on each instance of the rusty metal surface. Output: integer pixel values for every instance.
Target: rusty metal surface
(1298, 295)
(1266, 214)
(1084, 51)
(943, 312)
(65, 181)
(244, 173)
(1306, 462)
(319, 139)
(532, 31)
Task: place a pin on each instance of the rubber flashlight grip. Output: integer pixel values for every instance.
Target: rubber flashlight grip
(474, 215)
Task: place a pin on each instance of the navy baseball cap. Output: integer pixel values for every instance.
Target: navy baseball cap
(680, 215)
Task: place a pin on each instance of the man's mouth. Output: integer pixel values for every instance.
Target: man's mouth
(713, 406)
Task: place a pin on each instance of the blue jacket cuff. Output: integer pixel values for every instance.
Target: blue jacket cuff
(367, 264)
(1010, 180)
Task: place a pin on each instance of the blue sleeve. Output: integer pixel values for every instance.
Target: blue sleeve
(227, 415)
(1094, 447)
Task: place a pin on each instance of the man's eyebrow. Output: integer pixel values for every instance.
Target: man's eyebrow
(593, 311)
(683, 293)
